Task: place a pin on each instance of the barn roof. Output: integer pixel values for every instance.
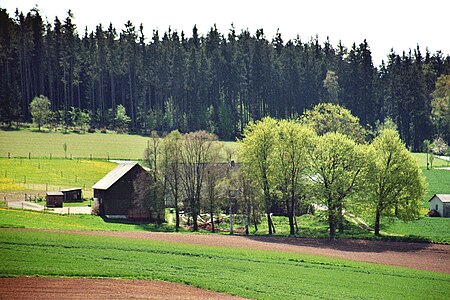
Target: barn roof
(71, 189)
(55, 194)
(443, 197)
(112, 177)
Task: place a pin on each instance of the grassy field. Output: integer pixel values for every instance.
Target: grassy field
(11, 218)
(438, 183)
(42, 174)
(20, 143)
(432, 229)
(245, 272)
(437, 162)
(424, 229)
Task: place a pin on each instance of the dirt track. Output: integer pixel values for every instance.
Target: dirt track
(82, 288)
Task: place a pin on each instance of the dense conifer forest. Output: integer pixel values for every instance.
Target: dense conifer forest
(218, 82)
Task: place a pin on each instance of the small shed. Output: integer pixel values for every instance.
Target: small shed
(54, 199)
(441, 204)
(72, 195)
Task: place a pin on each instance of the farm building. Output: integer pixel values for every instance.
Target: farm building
(54, 199)
(441, 204)
(72, 195)
(114, 194)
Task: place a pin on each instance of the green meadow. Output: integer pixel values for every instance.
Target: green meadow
(423, 230)
(26, 142)
(23, 173)
(244, 272)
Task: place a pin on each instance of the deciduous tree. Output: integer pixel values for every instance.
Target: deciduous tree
(196, 152)
(292, 144)
(394, 179)
(337, 165)
(40, 110)
(256, 155)
(328, 117)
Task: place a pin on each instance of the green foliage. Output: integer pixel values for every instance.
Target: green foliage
(328, 117)
(331, 85)
(79, 118)
(440, 107)
(394, 179)
(255, 153)
(293, 141)
(245, 272)
(40, 109)
(337, 167)
(121, 120)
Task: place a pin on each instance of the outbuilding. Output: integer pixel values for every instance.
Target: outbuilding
(440, 203)
(54, 199)
(72, 195)
(114, 194)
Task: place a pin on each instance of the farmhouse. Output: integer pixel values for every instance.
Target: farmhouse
(54, 199)
(72, 195)
(114, 194)
(441, 204)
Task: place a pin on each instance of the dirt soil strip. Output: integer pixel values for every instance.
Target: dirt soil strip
(422, 256)
(93, 289)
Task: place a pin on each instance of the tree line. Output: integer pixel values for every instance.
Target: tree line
(285, 167)
(217, 82)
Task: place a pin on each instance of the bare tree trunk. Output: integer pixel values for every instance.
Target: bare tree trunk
(377, 222)
(331, 219)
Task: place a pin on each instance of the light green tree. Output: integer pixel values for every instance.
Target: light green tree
(40, 110)
(328, 117)
(291, 157)
(337, 166)
(121, 119)
(256, 155)
(394, 179)
(331, 85)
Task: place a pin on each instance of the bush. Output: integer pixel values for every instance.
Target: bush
(91, 130)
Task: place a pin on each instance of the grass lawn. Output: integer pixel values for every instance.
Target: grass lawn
(438, 183)
(19, 143)
(19, 173)
(33, 219)
(422, 160)
(433, 229)
(245, 272)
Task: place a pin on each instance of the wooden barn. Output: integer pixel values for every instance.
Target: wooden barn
(114, 194)
(54, 199)
(72, 195)
(440, 203)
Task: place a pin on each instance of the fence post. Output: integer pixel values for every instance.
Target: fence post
(9, 155)
(29, 155)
